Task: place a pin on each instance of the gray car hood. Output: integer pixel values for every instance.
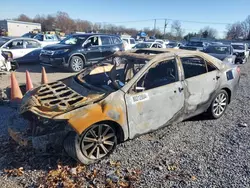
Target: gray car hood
(220, 56)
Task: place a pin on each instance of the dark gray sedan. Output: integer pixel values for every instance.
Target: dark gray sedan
(221, 52)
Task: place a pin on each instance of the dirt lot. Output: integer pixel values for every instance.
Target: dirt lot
(194, 153)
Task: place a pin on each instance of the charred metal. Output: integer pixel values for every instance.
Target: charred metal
(150, 89)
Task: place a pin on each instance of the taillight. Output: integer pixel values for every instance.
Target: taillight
(238, 70)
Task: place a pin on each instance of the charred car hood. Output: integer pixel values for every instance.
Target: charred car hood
(56, 98)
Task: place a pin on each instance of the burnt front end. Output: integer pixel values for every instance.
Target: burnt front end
(40, 108)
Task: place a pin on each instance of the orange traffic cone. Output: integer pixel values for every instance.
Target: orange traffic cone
(29, 84)
(44, 76)
(16, 94)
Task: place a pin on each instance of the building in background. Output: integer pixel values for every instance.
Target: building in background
(17, 28)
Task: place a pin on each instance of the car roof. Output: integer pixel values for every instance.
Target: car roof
(24, 38)
(93, 34)
(237, 43)
(167, 52)
(222, 45)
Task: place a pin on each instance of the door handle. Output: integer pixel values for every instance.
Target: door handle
(180, 89)
(217, 78)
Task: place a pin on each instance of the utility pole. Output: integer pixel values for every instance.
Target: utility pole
(165, 26)
(155, 27)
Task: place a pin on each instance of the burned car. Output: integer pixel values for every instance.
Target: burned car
(105, 104)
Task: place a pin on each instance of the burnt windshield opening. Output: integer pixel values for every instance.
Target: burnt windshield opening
(108, 77)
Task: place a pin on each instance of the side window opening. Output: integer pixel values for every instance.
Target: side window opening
(93, 41)
(105, 40)
(116, 40)
(210, 67)
(132, 41)
(17, 44)
(162, 74)
(193, 66)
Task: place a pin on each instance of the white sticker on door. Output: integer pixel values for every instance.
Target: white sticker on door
(140, 98)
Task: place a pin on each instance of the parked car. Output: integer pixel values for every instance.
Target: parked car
(222, 52)
(241, 51)
(6, 62)
(24, 50)
(148, 45)
(196, 45)
(173, 44)
(130, 42)
(79, 50)
(47, 39)
(105, 105)
(3, 40)
(29, 35)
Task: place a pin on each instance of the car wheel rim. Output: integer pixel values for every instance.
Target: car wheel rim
(77, 64)
(117, 61)
(98, 141)
(220, 104)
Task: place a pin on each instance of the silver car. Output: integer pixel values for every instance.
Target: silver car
(105, 105)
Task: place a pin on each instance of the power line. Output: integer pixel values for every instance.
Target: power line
(189, 21)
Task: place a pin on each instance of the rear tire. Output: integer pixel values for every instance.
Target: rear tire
(95, 143)
(76, 64)
(218, 105)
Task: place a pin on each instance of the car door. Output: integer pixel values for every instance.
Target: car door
(107, 47)
(155, 99)
(15, 47)
(31, 50)
(201, 82)
(132, 42)
(93, 49)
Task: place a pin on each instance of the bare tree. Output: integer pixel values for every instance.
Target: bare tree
(83, 25)
(23, 18)
(176, 29)
(64, 22)
(208, 32)
(246, 28)
(234, 31)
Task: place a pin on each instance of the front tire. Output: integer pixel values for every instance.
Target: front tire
(95, 143)
(219, 105)
(76, 64)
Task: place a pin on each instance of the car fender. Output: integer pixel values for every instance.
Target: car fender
(77, 54)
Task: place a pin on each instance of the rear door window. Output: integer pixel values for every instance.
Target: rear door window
(31, 44)
(106, 40)
(116, 40)
(132, 41)
(193, 66)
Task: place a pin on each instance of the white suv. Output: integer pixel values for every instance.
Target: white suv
(47, 39)
(129, 43)
(241, 51)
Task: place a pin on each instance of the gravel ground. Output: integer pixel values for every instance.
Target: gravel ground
(194, 153)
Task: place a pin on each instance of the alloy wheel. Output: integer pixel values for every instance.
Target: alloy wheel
(220, 104)
(98, 141)
(77, 64)
(117, 61)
